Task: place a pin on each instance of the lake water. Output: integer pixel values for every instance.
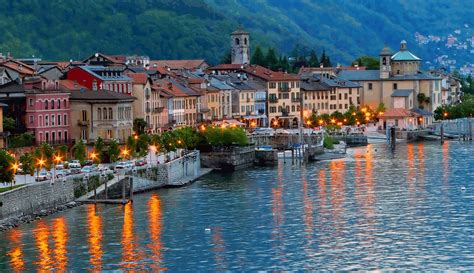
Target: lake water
(372, 210)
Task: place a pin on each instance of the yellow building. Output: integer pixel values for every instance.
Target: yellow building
(399, 71)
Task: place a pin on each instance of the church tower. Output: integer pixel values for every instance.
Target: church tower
(240, 44)
(385, 65)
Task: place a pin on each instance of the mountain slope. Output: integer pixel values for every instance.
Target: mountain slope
(166, 29)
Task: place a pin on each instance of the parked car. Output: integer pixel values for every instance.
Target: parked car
(140, 162)
(61, 173)
(43, 175)
(120, 166)
(88, 163)
(87, 169)
(102, 168)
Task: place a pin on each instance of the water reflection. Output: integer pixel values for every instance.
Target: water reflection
(16, 253)
(41, 233)
(155, 229)
(60, 236)
(219, 249)
(128, 247)
(94, 224)
(421, 166)
(336, 169)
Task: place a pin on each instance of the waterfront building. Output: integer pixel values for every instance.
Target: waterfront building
(12, 94)
(399, 71)
(101, 78)
(405, 119)
(325, 93)
(179, 65)
(48, 111)
(219, 99)
(141, 90)
(99, 113)
(160, 101)
(2, 136)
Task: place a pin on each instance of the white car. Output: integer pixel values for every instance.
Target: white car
(43, 175)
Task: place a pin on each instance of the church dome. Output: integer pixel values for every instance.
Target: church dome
(386, 51)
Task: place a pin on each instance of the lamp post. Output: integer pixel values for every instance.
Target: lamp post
(57, 159)
(40, 163)
(15, 169)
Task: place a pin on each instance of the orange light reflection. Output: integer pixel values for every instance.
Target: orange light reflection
(94, 223)
(155, 227)
(16, 253)
(60, 236)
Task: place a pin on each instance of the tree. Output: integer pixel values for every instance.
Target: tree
(324, 58)
(27, 161)
(99, 148)
(63, 151)
(313, 59)
(46, 153)
(142, 144)
(9, 124)
(380, 108)
(131, 145)
(257, 57)
(113, 151)
(422, 99)
(283, 63)
(80, 151)
(227, 58)
(271, 59)
(370, 62)
(6, 167)
(139, 126)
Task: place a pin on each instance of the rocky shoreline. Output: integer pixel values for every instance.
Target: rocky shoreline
(28, 218)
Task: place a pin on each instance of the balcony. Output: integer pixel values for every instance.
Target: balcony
(158, 109)
(83, 122)
(273, 100)
(204, 110)
(284, 89)
(260, 99)
(248, 99)
(284, 113)
(295, 100)
(147, 109)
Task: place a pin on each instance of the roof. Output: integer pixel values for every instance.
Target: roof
(138, 78)
(386, 51)
(117, 59)
(18, 66)
(239, 31)
(175, 88)
(421, 112)
(404, 55)
(12, 87)
(95, 70)
(79, 93)
(398, 113)
(178, 64)
(314, 82)
(402, 92)
(359, 75)
(226, 67)
(269, 75)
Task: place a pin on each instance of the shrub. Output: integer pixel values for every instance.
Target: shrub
(328, 142)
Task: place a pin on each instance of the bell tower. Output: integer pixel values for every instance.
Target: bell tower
(385, 65)
(240, 45)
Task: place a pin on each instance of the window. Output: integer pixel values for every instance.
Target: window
(46, 104)
(47, 137)
(31, 102)
(60, 135)
(53, 119)
(32, 119)
(272, 85)
(105, 113)
(340, 96)
(242, 108)
(59, 119)
(64, 103)
(99, 114)
(237, 41)
(84, 115)
(53, 136)
(65, 135)
(65, 119)
(370, 86)
(52, 104)
(395, 86)
(46, 120)
(245, 41)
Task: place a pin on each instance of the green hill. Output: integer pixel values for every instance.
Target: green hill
(169, 29)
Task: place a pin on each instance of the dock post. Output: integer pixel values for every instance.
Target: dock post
(292, 156)
(95, 191)
(130, 180)
(441, 130)
(106, 180)
(393, 139)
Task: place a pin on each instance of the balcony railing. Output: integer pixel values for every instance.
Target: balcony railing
(83, 122)
(260, 99)
(158, 109)
(204, 110)
(284, 89)
(284, 113)
(295, 99)
(272, 100)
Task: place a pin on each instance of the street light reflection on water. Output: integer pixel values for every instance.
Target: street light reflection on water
(373, 210)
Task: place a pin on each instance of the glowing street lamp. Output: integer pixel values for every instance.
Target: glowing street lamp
(125, 152)
(135, 137)
(275, 123)
(333, 121)
(364, 110)
(321, 122)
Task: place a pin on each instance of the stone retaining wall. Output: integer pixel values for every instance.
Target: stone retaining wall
(33, 197)
(237, 158)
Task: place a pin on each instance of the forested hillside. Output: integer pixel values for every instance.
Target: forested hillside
(164, 29)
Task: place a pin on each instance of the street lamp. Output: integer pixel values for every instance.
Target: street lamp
(40, 163)
(57, 159)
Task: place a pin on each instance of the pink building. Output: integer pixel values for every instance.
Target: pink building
(47, 111)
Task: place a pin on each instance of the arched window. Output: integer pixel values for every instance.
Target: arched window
(110, 113)
(46, 104)
(65, 119)
(384, 61)
(99, 114)
(105, 113)
(245, 41)
(64, 103)
(52, 104)
(59, 104)
(237, 41)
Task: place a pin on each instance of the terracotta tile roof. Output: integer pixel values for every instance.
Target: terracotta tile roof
(398, 113)
(269, 75)
(226, 67)
(18, 66)
(178, 64)
(138, 78)
(175, 88)
(79, 92)
(195, 80)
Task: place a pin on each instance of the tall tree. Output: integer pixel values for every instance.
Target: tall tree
(313, 59)
(370, 62)
(227, 58)
(80, 151)
(6, 171)
(113, 151)
(271, 59)
(99, 148)
(139, 126)
(258, 57)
